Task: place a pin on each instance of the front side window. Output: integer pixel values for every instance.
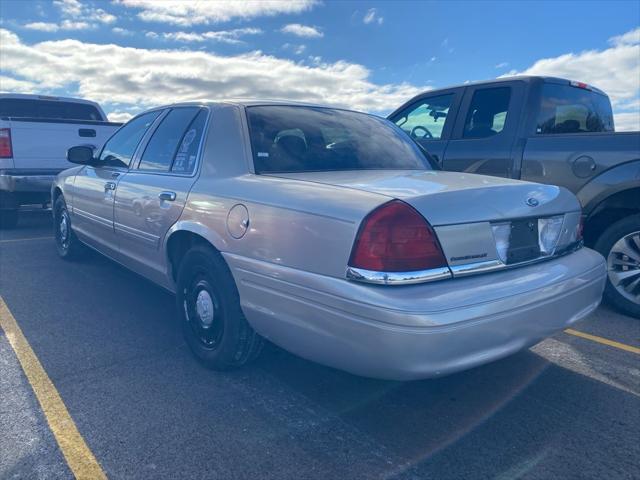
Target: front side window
(164, 144)
(487, 113)
(568, 109)
(426, 119)
(306, 139)
(119, 149)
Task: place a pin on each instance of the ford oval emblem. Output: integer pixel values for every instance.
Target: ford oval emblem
(532, 202)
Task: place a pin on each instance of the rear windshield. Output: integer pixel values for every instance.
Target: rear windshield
(568, 109)
(22, 107)
(310, 139)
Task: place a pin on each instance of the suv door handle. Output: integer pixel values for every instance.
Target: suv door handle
(109, 186)
(168, 196)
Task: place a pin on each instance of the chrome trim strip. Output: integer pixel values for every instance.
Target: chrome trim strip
(423, 276)
(477, 267)
(398, 278)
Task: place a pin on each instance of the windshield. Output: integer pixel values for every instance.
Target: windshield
(314, 139)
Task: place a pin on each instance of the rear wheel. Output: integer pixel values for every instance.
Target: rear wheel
(208, 305)
(67, 244)
(620, 246)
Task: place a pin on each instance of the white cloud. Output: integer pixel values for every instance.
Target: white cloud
(54, 27)
(8, 84)
(502, 65)
(372, 16)
(122, 31)
(302, 30)
(195, 12)
(224, 36)
(630, 38)
(627, 121)
(119, 116)
(76, 10)
(139, 78)
(616, 70)
(296, 49)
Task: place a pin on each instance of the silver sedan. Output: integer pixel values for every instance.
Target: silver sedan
(330, 233)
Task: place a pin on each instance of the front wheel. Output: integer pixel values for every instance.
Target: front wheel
(208, 306)
(67, 244)
(620, 246)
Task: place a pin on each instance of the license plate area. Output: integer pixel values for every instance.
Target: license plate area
(523, 241)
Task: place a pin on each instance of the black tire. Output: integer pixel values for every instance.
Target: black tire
(67, 244)
(208, 305)
(8, 219)
(622, 232)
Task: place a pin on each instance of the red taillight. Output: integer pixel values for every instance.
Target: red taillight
(5, 143)
(396, 238)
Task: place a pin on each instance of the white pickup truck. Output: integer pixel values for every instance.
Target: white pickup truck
(35, 133)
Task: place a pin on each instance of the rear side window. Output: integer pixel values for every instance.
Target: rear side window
(119, 149)
(426, 118)
(568, 109)
(185, 159)
(175, 138)
(21, 107)
(487, 113)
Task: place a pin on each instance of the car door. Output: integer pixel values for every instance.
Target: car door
(95, 185)
(429, 120)
(483, 137)
(152, 195)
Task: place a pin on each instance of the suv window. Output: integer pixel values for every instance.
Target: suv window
(318, 139)
(22, 107)
(568, 109)
(425, 119)
(119, 149)
(487, 113)
(163, 146)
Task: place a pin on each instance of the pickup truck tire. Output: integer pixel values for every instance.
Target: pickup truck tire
(620, 246)
(208, 304)
(8, 219)
(67, 243)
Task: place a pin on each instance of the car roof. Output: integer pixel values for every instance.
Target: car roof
(253, 102)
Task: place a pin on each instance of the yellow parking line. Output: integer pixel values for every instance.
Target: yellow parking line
(12, 240)
(604, 341)
(81, 461)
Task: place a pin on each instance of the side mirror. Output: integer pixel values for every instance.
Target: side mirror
(82, 155)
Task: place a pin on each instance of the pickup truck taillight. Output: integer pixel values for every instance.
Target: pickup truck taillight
(6, 151)
(396, 238)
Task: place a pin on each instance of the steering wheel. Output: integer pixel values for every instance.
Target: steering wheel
(426, 133)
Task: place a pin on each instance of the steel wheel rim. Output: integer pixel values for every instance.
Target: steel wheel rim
(203, 313)
(623, 264)
(63, 229)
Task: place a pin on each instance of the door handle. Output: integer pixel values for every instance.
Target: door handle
(167, 196)
(109, 186)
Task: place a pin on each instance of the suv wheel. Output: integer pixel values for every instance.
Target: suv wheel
(620, 246)
(208, 306)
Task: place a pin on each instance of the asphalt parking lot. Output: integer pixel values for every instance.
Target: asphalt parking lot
(109, 343)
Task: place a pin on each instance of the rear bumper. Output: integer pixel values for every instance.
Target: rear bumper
(417, 331)
(39, 181)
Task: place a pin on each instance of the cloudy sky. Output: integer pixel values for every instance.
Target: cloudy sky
(369, 55)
